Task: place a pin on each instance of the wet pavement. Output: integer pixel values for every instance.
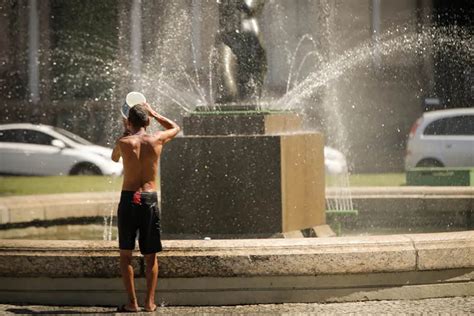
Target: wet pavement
(439, 306)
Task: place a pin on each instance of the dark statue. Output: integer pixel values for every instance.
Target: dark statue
(242, 63)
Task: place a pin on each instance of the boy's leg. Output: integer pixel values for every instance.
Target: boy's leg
(127, 276)
(151, 280)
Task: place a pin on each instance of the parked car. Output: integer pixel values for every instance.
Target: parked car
(28, 149)
(334, 161)
(443, 138)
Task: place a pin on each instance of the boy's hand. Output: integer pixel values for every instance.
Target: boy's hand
(148, 107)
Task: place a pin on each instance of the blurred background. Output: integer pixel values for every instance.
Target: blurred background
(360, 71)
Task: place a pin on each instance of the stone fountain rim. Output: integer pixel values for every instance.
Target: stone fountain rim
(363, 259)
(246, 258)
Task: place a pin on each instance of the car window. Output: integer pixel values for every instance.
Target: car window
(437, 127)
(457, 125)
(35, 137)
(11, 136)
(462, 125)
(72, 136)
(25, 136)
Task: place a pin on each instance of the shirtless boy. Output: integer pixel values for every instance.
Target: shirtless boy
(138, 209)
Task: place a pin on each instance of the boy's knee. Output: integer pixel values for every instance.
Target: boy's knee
(150, 259)
(126, 255)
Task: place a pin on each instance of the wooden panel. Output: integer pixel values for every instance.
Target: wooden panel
(281, 123)
(302, 174)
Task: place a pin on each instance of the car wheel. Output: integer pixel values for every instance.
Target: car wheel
(85, 169)
(429, 162)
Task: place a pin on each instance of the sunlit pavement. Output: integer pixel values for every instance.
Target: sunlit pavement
(451, 306)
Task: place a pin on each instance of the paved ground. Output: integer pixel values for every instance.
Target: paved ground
(439, 306)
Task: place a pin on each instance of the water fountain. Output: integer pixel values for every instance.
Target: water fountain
(272, 270)
(180, 90)
(240, 171)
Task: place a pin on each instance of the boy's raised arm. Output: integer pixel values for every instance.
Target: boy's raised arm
(116, 152)
(171, 128)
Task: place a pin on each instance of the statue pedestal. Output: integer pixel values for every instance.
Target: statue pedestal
(240, 123)
(247, 185)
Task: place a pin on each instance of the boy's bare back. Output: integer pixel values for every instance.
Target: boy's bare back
(140, 155)
(141, 152)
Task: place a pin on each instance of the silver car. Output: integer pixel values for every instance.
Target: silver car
(442, 138)
(28, 149)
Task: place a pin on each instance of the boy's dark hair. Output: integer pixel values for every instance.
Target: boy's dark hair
(138, 116)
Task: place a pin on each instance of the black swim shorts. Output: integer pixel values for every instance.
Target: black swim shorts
(138, 211)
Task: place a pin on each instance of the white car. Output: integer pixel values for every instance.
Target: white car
(28, 149)
(334, 161)
(442, 138)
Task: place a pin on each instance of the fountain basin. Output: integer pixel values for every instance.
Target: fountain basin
(227, 272)
(21, 209)
(382, 208)
(407, 209)
(220, 272)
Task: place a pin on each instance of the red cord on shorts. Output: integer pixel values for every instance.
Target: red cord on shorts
(137, 198)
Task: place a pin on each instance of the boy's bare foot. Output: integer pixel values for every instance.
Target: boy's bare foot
(128, 308)
(150, 308)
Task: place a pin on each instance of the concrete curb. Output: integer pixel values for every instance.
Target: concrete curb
(418, 191)
(249, 257)
(220, 272)
(19, 209)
